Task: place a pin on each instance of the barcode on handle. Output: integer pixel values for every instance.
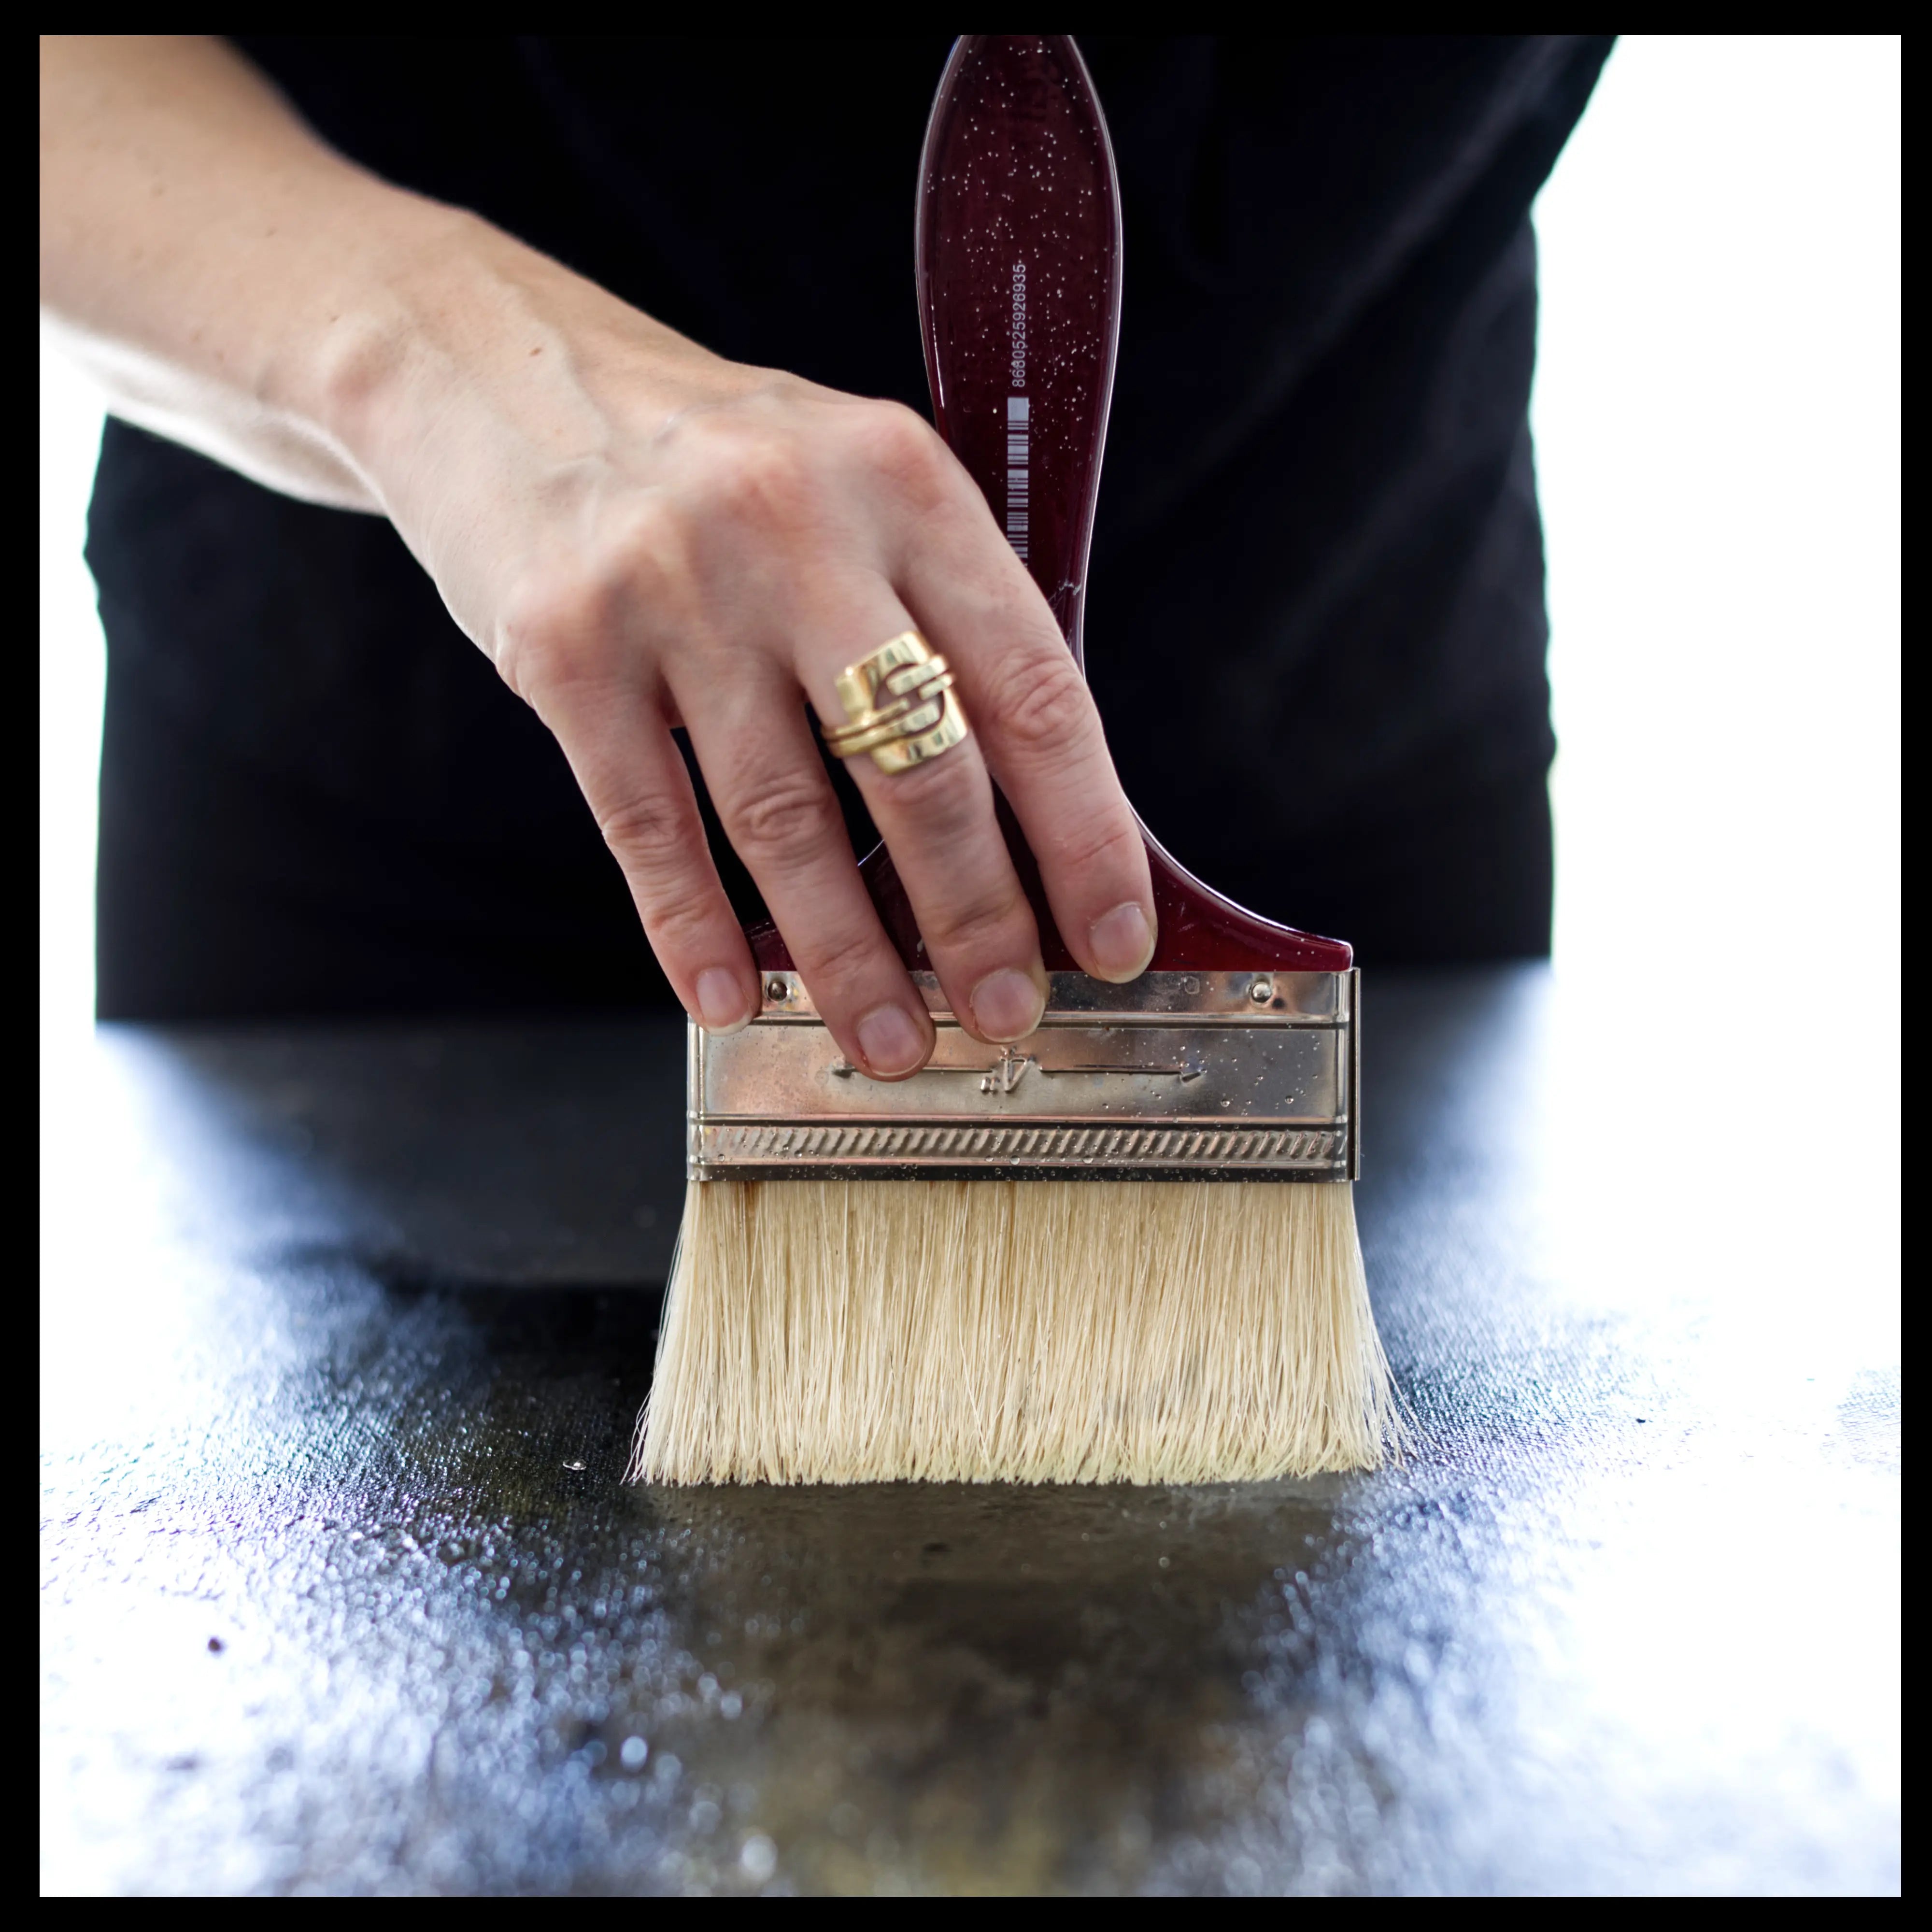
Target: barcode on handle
(1019, 471)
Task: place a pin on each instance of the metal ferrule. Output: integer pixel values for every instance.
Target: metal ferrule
(1203, 1076)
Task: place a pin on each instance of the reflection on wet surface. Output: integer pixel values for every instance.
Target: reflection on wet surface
(344, 1335)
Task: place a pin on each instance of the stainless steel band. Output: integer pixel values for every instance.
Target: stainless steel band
(1215, 1076)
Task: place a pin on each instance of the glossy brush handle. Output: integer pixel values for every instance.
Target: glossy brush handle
(1017, 250)
(1018, 254)
(1018, 247)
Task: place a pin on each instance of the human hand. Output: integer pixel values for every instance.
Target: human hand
(642, 535)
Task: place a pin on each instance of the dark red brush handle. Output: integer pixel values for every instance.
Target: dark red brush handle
(1019, 253)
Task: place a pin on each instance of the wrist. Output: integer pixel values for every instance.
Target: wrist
(453, 335)
(369, 361)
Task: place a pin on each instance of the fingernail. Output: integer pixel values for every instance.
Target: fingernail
(721, 1001)
(1122, 943)
(1007, 1005)
(890, 1041)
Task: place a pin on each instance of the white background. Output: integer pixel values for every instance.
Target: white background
(1716, 418)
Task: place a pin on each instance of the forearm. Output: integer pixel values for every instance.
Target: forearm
(206, 255)
(232, 282)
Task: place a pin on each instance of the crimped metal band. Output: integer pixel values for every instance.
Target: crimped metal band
(793, 1151)
(898, 706)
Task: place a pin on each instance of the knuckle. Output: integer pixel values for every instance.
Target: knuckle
(552, 628)
(650, 834)
(561, 622)
(783, 819)
(1095, 844)
(681, 925)
(985, 922)
(837, 962)
(896, 440)
(642, 552)
(974, 901)
(945, 798)
(758, 476)
(1039, 703)
(659, 846)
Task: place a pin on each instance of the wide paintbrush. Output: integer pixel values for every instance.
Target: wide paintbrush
(923, 1279)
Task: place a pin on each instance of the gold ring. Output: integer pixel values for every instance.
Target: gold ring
(899, 706)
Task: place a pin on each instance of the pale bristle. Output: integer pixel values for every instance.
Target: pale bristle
(1035, 1331)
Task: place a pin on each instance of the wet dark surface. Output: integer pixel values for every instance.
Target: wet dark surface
(344, 1334)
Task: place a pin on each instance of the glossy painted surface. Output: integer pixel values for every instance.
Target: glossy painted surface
(342, 1334)
(1017, 248)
